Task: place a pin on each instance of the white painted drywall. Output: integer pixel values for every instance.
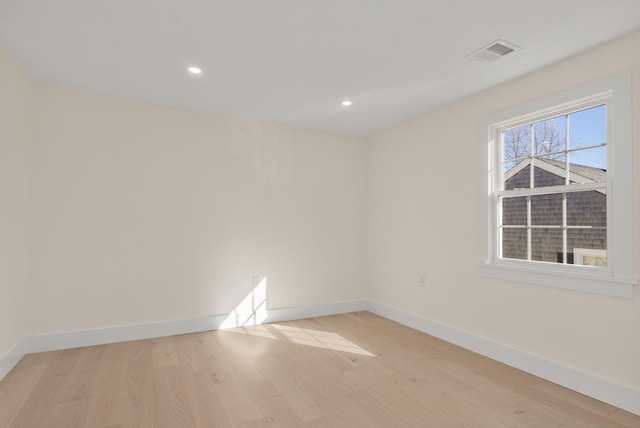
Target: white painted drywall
(16, 113)
(424, 206)
(144, 213)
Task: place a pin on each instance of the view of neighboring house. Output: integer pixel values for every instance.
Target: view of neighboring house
(586, 215)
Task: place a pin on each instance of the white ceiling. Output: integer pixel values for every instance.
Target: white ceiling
(294, 61)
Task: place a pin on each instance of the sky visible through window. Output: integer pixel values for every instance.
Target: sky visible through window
(586, 128)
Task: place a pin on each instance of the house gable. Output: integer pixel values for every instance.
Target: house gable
(587, 209)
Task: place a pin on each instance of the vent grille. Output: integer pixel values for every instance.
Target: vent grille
(493, 51)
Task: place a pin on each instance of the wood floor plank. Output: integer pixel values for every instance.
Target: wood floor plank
(577, 414)
(569, 396)
(625, 418)
(69, 414)
(63, 362)
(164, 352)
(209, 405)
(536, 415)
(276, 411)
(239, 405)
(16, 388)
(349, 370)
(250, 370)
(454, 411)
(190, 352)
(141, 408)
(40, 404)
(80, 383)
(218, 362)
(108, 402)
(173, 406)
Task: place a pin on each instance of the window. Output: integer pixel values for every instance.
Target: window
(552, 193)
(554, 214)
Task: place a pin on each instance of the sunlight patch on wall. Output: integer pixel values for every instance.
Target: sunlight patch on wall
(252, 310)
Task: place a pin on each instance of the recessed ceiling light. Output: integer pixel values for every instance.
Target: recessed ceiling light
(346, 103)
(194, 70)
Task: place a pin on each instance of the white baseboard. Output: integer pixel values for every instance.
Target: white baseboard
(622, 396)
(618, 395)
(301, 312)
(124, 333)
(12, 357)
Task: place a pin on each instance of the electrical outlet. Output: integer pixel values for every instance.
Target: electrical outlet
(423, 280)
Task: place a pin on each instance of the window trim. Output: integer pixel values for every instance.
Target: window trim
(618, 279)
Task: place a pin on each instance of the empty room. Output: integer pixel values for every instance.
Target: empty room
(288, 213)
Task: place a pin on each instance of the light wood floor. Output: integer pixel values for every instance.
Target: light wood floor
(353, 370)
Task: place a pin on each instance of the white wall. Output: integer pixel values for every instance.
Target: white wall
(144, 213)
(425, 193)
(16, 114)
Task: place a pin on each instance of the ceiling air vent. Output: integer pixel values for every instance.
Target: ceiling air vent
(493, 51)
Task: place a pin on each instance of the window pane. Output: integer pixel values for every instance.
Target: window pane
(548, 173)
(546, 210)
(508, 166)
(514, 243)
(588, 246)
(588, 127)
(514, 211)
(546, 243)
(549, 136)
(590, 164)
(518, 177)
(587, 208)
(556, 159)
(586, 238)
(516, 142)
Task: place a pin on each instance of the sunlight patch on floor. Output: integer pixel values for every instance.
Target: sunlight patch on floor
(252, 311)
(320, 339)
(255, 330)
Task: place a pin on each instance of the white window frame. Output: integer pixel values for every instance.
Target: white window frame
(618, 278)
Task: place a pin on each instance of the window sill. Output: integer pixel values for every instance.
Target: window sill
(602, 283)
